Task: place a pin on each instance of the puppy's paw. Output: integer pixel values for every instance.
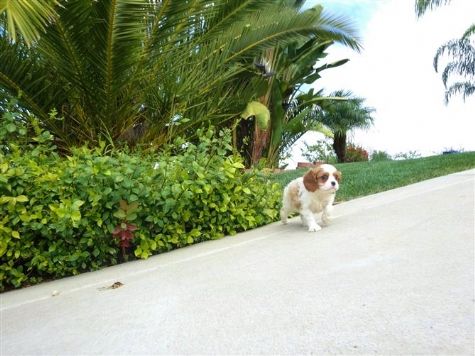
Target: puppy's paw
(283, 216)
(314, 228)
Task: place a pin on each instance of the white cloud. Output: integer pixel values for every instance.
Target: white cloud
(394, 73)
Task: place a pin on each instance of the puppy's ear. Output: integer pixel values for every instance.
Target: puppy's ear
(310, 180)
(337, 175)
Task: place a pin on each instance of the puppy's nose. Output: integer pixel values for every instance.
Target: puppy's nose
(333, 183)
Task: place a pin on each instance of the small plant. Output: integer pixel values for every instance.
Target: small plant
(124, 231)
(377, 156)
(355, 154)
(407, 155)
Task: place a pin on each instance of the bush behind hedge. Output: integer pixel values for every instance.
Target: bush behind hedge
(58, 214)
(355, 153)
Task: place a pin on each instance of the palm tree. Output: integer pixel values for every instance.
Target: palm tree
(288, 69)
(462, 65)
(155, 68)
(462, 51)
(343, 115)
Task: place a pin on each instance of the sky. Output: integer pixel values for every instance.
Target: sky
(394, 73)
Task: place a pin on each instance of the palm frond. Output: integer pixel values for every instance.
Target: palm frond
(421, 6)
(171, 24)
(461, 49)
(338, 29)
(278, 26)
(65, 46)
(469, 32)
(20, 77)
(26, 18)
(464, 88)
(231, 11)
(119, 41)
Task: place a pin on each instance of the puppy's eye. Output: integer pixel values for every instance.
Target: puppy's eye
(323, 178)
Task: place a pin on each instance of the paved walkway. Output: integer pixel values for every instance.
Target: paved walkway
(393, 274)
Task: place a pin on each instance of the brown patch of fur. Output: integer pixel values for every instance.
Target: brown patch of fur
(310, 179)
(294, 196)
(337, 176)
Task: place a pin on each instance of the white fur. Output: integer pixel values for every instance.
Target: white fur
(297, 198)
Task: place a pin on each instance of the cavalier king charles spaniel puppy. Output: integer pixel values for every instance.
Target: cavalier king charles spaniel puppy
(311, 194)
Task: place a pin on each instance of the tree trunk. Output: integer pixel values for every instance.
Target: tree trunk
(251, 142)
(259, 143)
(339, 146)
(243, 140)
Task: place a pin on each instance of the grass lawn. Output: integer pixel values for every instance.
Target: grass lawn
(364, 178)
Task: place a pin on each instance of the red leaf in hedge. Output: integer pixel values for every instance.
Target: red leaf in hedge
(131, 227)
(126, 235)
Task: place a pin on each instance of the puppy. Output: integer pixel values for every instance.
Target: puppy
(311, 194)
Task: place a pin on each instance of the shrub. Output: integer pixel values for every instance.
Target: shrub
(380, 156)
(451, 150)
(321, 151)
(355, 154)
(61, 216)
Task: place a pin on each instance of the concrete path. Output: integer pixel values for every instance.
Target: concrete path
(393, 274)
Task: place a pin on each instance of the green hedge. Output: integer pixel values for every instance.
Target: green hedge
(61, 216)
